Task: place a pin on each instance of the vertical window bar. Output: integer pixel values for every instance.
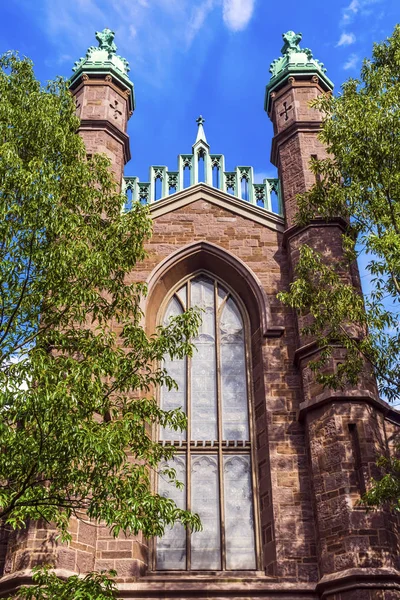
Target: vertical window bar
(188, 437)
(219, 421)
(253, 461)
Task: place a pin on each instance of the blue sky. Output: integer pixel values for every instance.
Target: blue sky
(191, 57)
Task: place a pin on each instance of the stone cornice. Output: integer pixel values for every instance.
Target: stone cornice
(353, 396)
(105, 125)
(358, 579)
(211, 586)
(203, 191)
(294, 80)
(318, 222)
(106, 80)
(308, 352)
(161, 585)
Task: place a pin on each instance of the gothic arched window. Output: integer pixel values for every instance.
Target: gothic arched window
(214, 457)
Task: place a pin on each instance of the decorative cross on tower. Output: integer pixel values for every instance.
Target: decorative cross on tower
(200, 120)
(114, 106)
(285, 111)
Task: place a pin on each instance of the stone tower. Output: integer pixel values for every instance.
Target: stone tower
(105, 101)
(344, 429)
(274, 463)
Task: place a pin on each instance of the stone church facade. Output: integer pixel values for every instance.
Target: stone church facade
(274, 463)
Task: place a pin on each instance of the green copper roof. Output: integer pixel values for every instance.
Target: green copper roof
(295, 61)
(104, 60)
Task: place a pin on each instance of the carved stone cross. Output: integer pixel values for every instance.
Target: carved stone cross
(285, 111)
(114, 106)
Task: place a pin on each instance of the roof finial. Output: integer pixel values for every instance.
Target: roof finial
(295, 62)
(103, 56)
(106, 40)
(201, 136)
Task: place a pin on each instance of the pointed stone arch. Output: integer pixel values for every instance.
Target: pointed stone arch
(222, 263)
(208, 257)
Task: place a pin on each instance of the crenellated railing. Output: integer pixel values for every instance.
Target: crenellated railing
(201, 166)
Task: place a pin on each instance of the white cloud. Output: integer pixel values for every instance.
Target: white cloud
(346, 39)
(357, 8)
(64, 58)
(354, 6)
(161, 29)
(237, 13)
(197, 19)
(351, 62)
(350, 12)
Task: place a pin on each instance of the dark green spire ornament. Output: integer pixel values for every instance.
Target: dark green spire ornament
(295, 62)
(102, 61)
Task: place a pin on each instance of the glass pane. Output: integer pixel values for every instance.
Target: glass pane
(182, 295)
(239, 525)
(222, 294)
(206, 544)
(235, 422)
(171, 548)
(174, 398)
(204, 394)
(173, 310)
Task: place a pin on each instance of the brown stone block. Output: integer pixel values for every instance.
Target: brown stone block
(130, 569)
(288, 480)
(345, 561)
(104, 565)
(286, 449)
(84, 562)
(87, 534)
(308, 572)
(66, 559)
(78, 546)
(101, 545)
(283, 496)
(104, 533)
(116, 554)
(120, 544)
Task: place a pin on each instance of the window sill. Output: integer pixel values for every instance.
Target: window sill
(208, 575)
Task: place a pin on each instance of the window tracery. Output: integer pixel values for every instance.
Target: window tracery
(214, 456)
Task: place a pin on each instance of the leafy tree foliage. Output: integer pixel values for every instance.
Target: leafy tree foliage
(77, 370)
(48, 586)
(360, 181)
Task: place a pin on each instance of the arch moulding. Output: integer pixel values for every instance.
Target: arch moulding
(223, 264)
